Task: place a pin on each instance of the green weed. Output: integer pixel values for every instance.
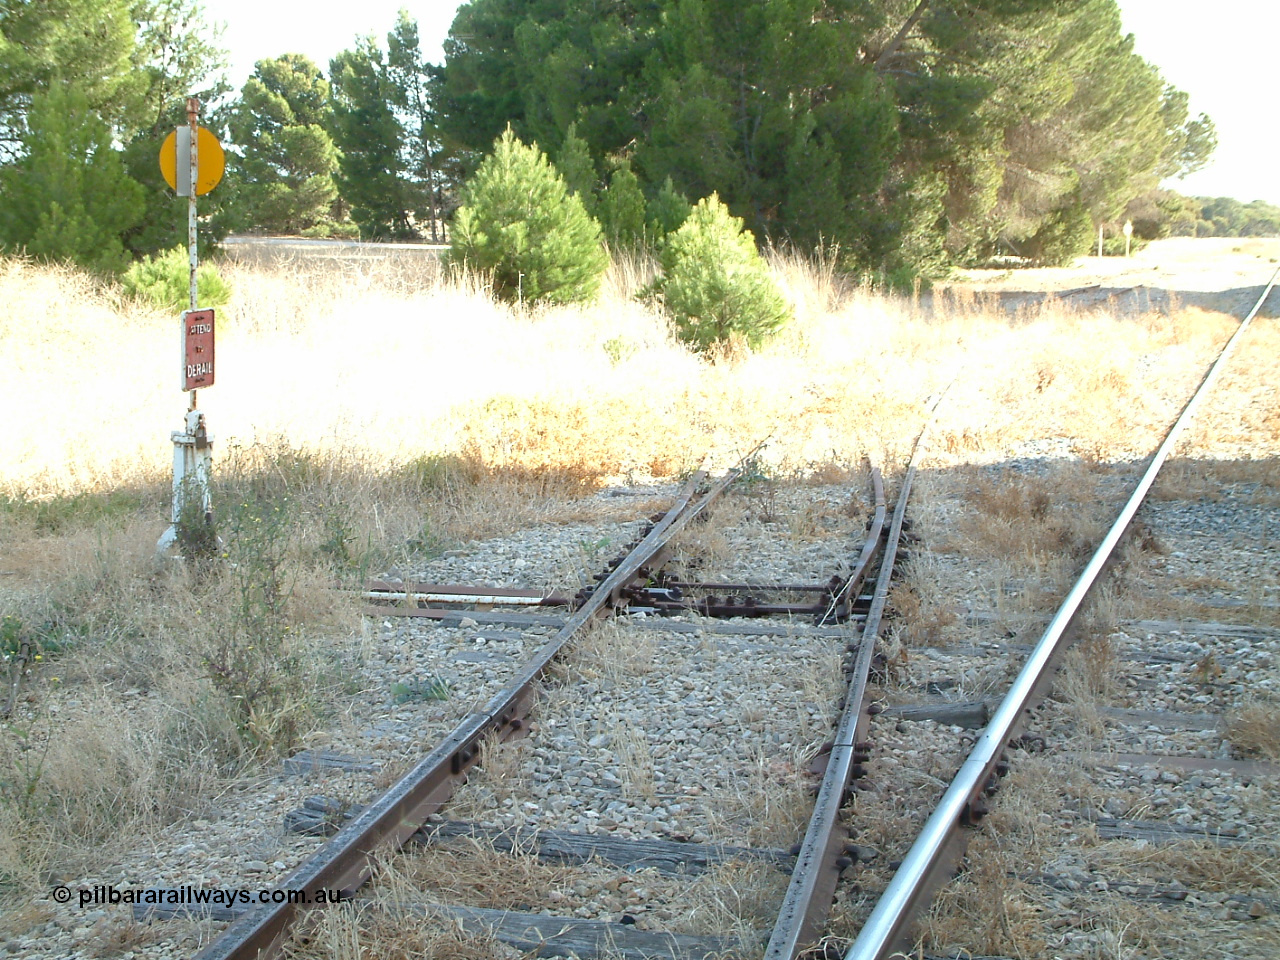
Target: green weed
(50, 515)
(254, 657)
(419, 689)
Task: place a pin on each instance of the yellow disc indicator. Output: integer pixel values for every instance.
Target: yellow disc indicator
(210, 160)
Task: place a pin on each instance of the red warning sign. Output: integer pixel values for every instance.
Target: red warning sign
(197, 349)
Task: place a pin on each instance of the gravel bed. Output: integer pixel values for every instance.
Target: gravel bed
(659, 753)
(650, 734)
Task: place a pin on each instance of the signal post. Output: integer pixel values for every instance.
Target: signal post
(192, 162)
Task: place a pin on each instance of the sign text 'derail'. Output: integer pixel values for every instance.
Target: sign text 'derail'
(197, 349)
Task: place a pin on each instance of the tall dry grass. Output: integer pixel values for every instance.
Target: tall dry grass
(393, 360)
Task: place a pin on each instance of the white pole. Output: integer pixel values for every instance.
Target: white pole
(192, 458)
(193, 121)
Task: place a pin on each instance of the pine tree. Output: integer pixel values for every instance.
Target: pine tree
(369, 136)
(540, 66)
(410, 81)
(666, 212)
(89, 44)
(622, 208)
(287, 160)
(69, 198)
(714, 283)
(178, 54)
(519, 223)
(578, 169)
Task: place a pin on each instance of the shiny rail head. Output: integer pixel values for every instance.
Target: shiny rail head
(910, 889)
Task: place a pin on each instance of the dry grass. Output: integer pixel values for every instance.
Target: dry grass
(1254, 730)
(615, 651)
(470, 872)
(498, 779)
(1241, 421)
(922, 614)
(1090, 675)
(768, 806)
(985, 911)
(733, 899)
(1035, 519)
(1199, 864)
(388, 357)
(994, 908)
(371, 932)
(737, 899)
(1256, 481)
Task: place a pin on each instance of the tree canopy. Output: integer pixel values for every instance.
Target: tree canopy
(120, 69)
(69, 196)
(923, 130)
(909, 134)
(287, 158)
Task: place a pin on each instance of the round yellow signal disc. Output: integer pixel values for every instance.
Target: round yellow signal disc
(210, 160)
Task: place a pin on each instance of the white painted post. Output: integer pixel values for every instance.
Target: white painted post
(193, 445)
(193, 122)
(1128, 236)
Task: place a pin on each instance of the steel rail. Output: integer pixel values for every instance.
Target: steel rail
(813, 881)
(347, 860)
(840, 600)
(448, 593)
(922, 871)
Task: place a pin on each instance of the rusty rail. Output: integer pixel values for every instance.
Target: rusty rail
(818, 863)
(939, 843)
(391, 591)
(346, 861)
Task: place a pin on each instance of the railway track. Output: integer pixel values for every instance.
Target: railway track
(651, 587)
(819, 620)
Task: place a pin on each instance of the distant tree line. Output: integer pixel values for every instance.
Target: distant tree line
(908, 134)
(1218, 217)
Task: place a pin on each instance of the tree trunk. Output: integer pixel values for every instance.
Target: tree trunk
(887, 53)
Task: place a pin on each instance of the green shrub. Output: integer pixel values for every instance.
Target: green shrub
(166, 281)
(256, 658)
(714, 283)
(1069, 233)
(519, 223)
(666, 212)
